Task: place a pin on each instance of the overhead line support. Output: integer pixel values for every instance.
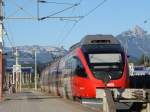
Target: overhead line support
(60, 11)
(1, 50)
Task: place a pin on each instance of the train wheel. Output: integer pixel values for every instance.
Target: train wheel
(75, 98)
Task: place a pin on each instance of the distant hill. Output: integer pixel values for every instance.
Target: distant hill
(137, 42)
(45, 54)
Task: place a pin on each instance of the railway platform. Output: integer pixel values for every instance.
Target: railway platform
(31, 101)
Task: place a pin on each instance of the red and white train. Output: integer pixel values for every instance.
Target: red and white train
(97, 61)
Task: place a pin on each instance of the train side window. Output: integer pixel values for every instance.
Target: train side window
(78, 68)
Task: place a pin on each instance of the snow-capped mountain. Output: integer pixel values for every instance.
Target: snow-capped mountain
(45, 54)
(136, 41)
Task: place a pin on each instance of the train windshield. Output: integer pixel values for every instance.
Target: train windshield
(105, 58)
(109, 61)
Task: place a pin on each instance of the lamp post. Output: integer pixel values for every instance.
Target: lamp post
(17, 70)
(35, 70)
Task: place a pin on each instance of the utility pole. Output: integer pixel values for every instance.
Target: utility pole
(35, 77)
(17, 75)
(18, 72)
(1, 50)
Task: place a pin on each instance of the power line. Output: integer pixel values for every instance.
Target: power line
(61, 17)
(10, 31)
(59, 3)
(20, 8)
(37, 17)
(66, 24)
(87, 14)
(8, 37)
(59, 11)
(17, 10)
(70, 30)
(66, 19)
(20, 18)
(92, 10)
(54, 17)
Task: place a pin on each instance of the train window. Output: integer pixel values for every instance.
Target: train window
(77, 67)
(105, 58)
(101, 41)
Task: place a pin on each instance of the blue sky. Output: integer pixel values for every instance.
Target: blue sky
(113, 17)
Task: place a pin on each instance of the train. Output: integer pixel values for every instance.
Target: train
(96, 62)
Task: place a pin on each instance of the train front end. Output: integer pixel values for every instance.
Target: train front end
(105, 64)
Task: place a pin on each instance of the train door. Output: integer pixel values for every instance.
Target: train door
(79, 77)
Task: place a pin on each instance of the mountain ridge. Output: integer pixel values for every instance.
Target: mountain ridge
(136, 41)
(45, 54)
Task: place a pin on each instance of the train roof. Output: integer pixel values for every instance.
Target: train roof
(96, 39)
(99, 39)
